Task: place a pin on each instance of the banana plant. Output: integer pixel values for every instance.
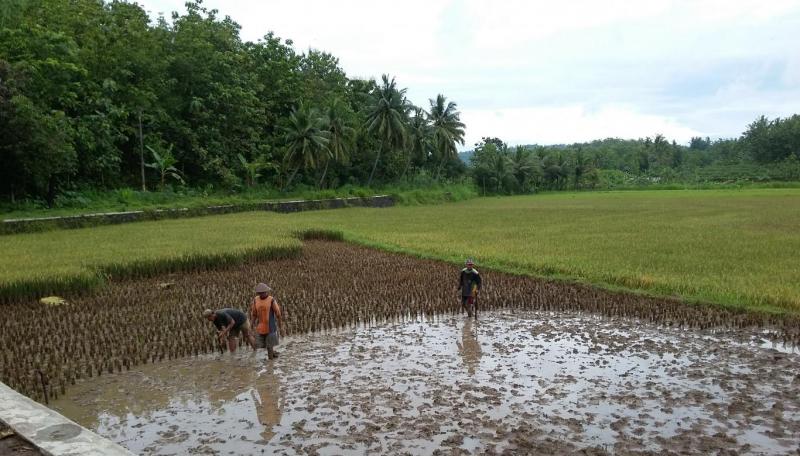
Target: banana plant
(165, 165)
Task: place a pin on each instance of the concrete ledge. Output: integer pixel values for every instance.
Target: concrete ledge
(51, 432)
(28, 225)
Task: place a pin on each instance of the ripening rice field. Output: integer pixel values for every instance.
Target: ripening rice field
(733, 247)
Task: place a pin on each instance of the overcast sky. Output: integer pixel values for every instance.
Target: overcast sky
(551, 72)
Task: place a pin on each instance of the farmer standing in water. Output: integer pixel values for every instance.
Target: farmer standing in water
(266, 316)
(469, 283)
(229, 323)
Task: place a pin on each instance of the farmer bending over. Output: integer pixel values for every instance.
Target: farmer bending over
(469, 283)
(266, 316)
(229, 323)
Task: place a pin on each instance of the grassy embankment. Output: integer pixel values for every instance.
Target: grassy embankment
(76, 203)
(733, 247)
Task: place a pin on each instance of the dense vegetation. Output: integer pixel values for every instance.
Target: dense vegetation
(769, 150)
(734, 247)
(96, 97)
(93, 94)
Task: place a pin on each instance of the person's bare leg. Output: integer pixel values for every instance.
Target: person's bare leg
(251, 339)
(233, 342)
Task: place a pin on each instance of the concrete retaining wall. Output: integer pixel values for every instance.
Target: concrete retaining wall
(28, 225)
(51, 432)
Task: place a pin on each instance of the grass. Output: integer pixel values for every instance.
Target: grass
(733, 247)
(76, 203)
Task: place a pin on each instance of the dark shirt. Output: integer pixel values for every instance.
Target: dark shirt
(224, 316)
(469, 277)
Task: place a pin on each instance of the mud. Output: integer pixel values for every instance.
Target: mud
(333, 285)
(12, 444)
(515, 382)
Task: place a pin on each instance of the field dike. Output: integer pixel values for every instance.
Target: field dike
(32, 225)
(139, 319)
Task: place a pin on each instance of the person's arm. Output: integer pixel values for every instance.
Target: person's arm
(226, 327)
(478, 279)
(276, 309)
(253, 313)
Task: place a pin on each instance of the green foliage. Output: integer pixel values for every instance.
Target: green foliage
(306, 140)
(165, 165)
(497, 169)
(770, 141)
(387, 119)
(85, 85)
(767, 152)
(447, 129)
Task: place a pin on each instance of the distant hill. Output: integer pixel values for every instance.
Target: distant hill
(466, 155)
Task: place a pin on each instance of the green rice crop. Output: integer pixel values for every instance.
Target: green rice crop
(734, 247)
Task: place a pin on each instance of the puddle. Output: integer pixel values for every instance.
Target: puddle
(518, 381)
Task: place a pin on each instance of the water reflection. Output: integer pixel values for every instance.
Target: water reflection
(195, 395)
(266, 396)
(469, 348)
(391, 389)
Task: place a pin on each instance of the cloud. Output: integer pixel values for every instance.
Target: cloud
(569, 124)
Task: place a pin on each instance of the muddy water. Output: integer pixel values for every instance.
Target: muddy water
(518, 382)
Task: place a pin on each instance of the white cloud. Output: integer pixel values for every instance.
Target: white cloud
(610, 67)
(569, 124)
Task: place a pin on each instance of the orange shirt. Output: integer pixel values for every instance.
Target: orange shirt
(265, 312)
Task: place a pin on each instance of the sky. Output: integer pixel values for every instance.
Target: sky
(557, 72)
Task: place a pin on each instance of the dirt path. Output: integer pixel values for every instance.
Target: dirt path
(515, 382)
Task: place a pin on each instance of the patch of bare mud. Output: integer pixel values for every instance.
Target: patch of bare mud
(511, 383)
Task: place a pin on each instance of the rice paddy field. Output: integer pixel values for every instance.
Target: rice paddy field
(736, 248)
(377, 358)
(610, 323)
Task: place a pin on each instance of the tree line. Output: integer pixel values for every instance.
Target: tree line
(767, 150)
(95, 94)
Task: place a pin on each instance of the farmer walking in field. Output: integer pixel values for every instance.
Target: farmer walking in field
(469, 283)
(230, 323)
(266, 315)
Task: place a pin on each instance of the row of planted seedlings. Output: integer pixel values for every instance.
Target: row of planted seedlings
(332, 285)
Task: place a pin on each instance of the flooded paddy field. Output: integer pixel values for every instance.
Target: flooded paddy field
(515, 382)
(376, 358)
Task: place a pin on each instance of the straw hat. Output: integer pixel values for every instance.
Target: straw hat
(207, 313)
(262, 288)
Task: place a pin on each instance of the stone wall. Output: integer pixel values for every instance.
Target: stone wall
(12, 226)
(49, 431)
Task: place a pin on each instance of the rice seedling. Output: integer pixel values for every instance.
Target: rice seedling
(331, 285)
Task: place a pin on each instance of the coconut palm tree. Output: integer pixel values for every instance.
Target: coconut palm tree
(387, 119)
(525, 167)
(447, 129)
(419, 138)
(306, 139)
(340, 136)
(555, 171)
